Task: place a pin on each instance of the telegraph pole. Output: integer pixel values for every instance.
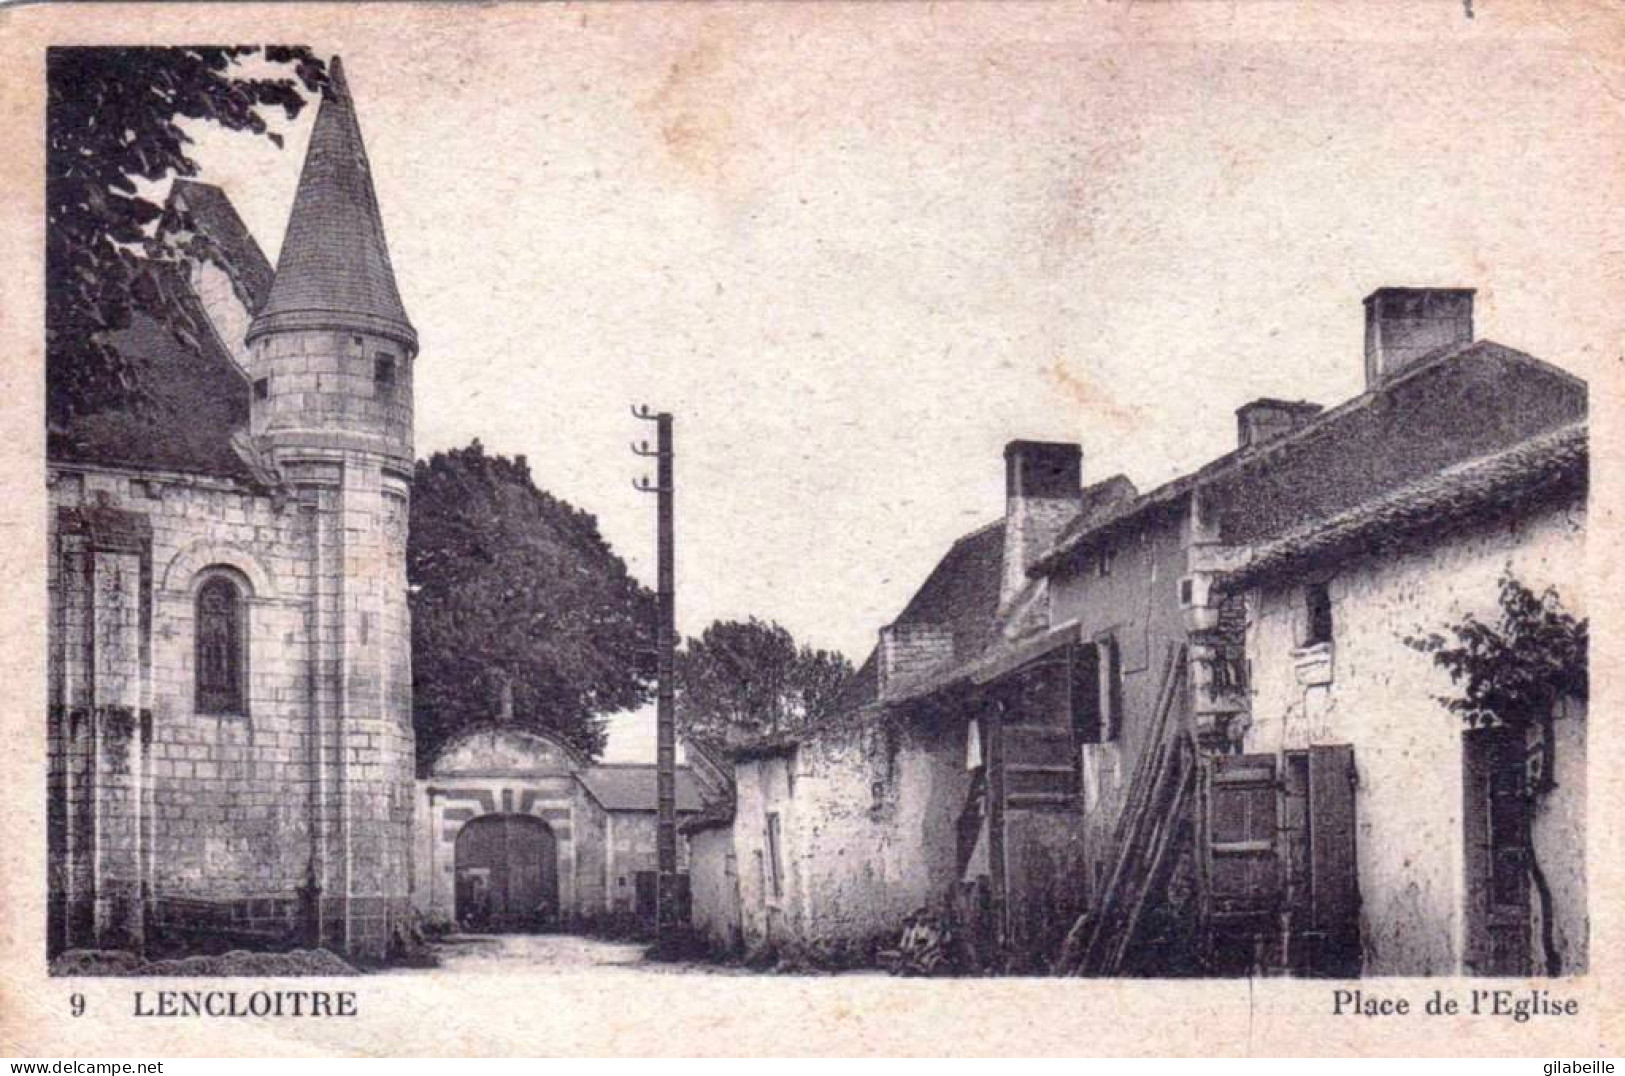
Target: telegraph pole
(666, 644)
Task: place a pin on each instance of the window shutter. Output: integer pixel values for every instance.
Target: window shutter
(1243, 866)
(1334, 874)
(1086, 715)
(1111, 689)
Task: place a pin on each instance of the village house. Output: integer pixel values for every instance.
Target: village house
(230, 738)
(1129, 720)
(1435, 399)
(1438, 879)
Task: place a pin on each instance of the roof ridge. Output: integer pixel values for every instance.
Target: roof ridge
(1237, 456)
(1524, 456)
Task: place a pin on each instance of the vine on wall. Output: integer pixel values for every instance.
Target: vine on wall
(1513, 673)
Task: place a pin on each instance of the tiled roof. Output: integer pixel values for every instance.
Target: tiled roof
(334, 270)
(196, 399)
(631, 787)
(1462, 404)
(1529, 472)
(215, 217)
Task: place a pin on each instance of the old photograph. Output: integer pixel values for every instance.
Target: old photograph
(836, 494)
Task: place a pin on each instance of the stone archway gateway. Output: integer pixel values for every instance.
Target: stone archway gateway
(507, 874)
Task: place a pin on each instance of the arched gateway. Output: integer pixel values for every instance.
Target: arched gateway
(517, 831)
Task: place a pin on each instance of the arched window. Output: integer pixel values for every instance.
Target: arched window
(220, 658)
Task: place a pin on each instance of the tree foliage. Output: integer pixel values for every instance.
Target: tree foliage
(511, 583)
(114, 119)
(1513, 671)
(745, 679)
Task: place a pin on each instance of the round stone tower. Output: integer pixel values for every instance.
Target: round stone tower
(330, 355)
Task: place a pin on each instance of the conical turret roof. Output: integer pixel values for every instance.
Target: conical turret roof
(334, 271)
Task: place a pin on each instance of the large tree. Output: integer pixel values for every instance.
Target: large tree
(745, 679)
(511, 584)
(114, 117)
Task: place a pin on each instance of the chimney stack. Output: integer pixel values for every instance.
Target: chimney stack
(1404, 324)
(1265, 419)
(1043, 482)
(909, 651)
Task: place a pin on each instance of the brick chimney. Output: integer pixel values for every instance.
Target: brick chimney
(1403, 324)
(1265, 419)
(1043, 488)
(909, 651)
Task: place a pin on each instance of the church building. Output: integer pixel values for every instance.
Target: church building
(231, 746)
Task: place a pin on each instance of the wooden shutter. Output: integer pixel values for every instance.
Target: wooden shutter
(1111, 689)
(1334, 874)
(1243, 865)
(1085, 694)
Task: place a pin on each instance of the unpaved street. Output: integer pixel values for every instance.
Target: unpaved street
(497, 954)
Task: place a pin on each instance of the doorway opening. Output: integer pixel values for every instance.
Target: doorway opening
(507, 875)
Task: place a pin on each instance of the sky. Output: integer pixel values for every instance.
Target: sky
(857, 249)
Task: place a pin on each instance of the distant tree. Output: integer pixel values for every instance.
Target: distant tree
(113, 117)
(744, 679)
(509, 583)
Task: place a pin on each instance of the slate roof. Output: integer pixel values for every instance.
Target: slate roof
(1461, 404)
(1532, 471)
(197, 399)
(334, 270)
(215, 217)
(631, 787)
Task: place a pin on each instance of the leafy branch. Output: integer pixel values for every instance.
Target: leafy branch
(1512, 674)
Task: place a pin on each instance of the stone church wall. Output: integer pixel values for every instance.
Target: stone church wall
(222, 800)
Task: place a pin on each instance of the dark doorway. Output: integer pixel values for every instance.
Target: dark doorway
(1496, 818)
(507, 874)
(647, 894)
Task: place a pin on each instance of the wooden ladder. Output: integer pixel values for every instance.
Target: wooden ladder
(1145, 837)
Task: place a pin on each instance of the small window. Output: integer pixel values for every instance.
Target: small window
(262, 388)
(1187, 591)
(1317, 601)
(774, 856)
(219, 654)
(1103, 566)
(383, 372)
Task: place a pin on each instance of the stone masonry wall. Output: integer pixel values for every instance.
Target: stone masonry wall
(868, 822)
(766, 917)
(322, 390)
(714, 888)
(226, 803)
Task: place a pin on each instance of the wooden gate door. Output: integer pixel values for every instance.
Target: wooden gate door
(507, 873)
